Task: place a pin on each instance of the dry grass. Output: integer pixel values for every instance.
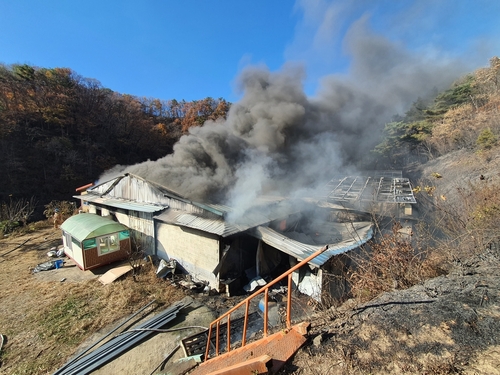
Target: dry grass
(44, 322)
(391, 262)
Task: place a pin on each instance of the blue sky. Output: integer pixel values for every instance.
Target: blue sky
(194, 49)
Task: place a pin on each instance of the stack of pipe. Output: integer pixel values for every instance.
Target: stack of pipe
(119, 344)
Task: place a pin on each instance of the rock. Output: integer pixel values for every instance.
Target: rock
(318, 340)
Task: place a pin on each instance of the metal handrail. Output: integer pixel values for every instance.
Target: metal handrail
(246, 302)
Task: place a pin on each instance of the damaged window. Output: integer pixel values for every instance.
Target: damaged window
(108, 244)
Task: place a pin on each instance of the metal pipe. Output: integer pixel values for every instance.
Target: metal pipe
(245, 324)
(217, 338)
(289, 303)
(228, 333)
(109, 334)
(118, 344)
(207, 349)
(266, 316)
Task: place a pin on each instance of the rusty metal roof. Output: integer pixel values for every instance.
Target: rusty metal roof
(349, 235)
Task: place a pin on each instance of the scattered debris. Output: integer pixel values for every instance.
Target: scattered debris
(317, 341)
(254, 284)
(195, 344)
(183, 365)
(50, 265)
(166, 268)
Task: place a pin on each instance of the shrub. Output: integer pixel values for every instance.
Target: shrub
(390, 263)
(15, 212)
(66, 209)
(486, 140)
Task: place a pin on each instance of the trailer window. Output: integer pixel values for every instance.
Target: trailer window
(108, 244)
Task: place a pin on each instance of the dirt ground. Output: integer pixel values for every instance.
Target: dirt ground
(23, 295)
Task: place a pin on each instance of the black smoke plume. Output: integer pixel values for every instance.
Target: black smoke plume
(276, 140)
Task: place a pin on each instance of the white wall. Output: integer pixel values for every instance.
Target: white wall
(73, 252)
(196, 251)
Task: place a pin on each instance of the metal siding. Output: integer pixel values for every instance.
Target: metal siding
(131, 188)
(301, 250)
(143, 230)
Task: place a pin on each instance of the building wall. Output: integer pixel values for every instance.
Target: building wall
(142, 230)
(93, 259)
(196, 251)
(140, 223)
(73, 251)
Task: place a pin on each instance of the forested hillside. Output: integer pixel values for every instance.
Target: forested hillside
(466, 116)
(59, 130)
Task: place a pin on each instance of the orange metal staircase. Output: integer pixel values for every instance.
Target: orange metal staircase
(271, 352)
(278, 348)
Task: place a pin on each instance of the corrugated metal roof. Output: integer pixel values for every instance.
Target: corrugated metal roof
(215, 226)
(122, 203)
(84, 226)
(353, 235)
(211, 225)
(230, 223)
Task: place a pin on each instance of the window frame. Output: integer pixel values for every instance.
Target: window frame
(108, 247)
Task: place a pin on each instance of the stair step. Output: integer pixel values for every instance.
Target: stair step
(279, 346)
(256, 366)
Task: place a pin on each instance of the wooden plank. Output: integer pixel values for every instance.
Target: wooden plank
(114, 274)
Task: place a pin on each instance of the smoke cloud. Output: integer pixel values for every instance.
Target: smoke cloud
(278, 141)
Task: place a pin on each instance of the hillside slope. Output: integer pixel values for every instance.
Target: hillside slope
(445, 325)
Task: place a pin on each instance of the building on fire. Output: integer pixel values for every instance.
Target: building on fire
(230, 250)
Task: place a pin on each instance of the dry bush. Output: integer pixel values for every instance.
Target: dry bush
(455, 130)
(390, 262)
(16, 212)
(466, 222)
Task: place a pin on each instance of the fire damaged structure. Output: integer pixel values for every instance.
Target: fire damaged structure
(230, 250)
